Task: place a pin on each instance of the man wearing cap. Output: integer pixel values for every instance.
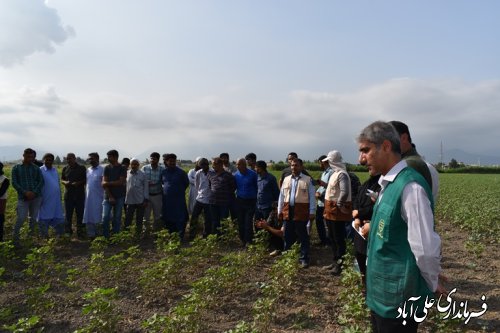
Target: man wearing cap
(153, 172)
(338, 208)
(296, 207)
(403, 266)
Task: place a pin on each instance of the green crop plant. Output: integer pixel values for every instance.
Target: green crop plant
(354, 314)
(24, 325)
(99, 310)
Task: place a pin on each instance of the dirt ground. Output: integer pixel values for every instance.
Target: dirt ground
(310, 305)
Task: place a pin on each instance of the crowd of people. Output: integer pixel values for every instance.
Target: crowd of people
(390, 217)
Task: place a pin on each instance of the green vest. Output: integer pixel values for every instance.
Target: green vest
(392, 275)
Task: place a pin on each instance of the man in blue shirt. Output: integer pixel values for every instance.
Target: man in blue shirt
(267, 191)
(246, 199)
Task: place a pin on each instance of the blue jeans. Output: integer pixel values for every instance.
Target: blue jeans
(297, 230)
(117, 208)
(23, 208)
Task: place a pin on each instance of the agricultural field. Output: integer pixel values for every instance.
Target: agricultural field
(160, 284)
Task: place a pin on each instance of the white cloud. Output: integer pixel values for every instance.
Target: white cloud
(462, 115)
(26, 27)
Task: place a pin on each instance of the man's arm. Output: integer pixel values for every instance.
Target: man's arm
(424, 241)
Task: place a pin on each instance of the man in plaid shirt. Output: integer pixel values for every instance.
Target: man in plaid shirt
(28, 182)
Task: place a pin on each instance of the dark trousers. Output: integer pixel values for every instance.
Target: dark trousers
(246, 212)
(336, 231)
(297, 230)
(218, 213)
(321, 227)
(138, 209)
(263, 213)
(74, 205)
(389, 325)
(207, 216)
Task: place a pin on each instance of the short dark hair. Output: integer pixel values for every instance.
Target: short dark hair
(155, 155)
(224, 155)
(402, 128)
(125, 160)
(94, 154)
(251, 156)
(321, 158)
(298, 160)
(262, 164)
(169, 156)
(29, 151)
(294, 154)
(48, 155)
(112, 152)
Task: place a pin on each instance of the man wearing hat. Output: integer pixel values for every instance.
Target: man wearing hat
(338, 208)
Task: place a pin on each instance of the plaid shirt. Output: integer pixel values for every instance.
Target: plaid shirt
(27, 178)
(154, 178)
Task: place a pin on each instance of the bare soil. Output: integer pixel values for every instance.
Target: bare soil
(310, 305)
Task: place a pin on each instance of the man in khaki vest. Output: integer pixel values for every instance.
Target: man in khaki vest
(296, 207)
(338, 208)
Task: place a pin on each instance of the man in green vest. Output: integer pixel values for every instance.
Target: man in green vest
(403, 248)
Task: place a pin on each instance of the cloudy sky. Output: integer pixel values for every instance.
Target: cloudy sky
(203, 77)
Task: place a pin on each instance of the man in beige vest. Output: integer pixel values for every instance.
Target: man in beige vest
(296, 207)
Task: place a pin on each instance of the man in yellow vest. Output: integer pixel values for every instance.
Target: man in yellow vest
(296, 207)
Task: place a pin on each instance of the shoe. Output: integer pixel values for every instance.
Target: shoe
(304, 264)
(275, 253)
(328, 267)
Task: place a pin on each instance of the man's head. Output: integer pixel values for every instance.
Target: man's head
(154, 158)
(379, 147)
(126, 162)
(71, 159)
(170, 160)
(112, 156)
(322, 165)
(93, 159)
(404, 135)
(241, 164)
(296, 166)
(28, 156)
(225, 158)
(134, 164)
(203, 163)
(48, 160)
(261, 167)
(217, 164)
(291, 156)
(251, 159)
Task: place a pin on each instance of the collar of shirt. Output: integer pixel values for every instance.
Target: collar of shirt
(391, 175)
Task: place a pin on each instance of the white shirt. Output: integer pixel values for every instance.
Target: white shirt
(416, 211)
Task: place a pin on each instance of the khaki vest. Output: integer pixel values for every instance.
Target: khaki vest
(332, 194)
(301, 208)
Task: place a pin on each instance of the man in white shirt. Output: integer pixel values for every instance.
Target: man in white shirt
(403, 249)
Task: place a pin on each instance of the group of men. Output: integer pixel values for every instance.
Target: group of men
(403, 250)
